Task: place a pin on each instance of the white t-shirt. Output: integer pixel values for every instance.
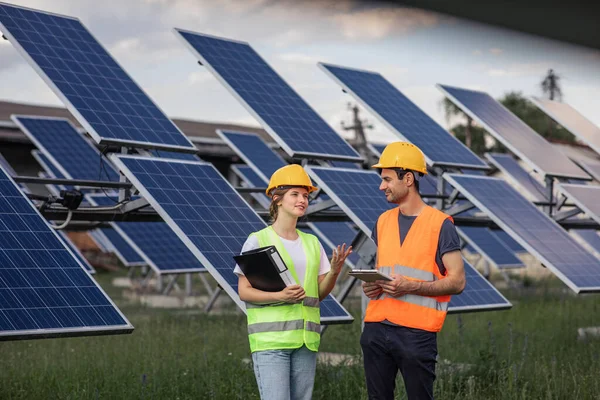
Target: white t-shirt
(296, 252)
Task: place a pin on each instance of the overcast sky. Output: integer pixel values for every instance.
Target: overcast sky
(413, 49)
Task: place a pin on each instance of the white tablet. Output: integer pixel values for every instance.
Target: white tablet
(369, 275)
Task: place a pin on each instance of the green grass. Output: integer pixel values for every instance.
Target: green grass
(529, 352)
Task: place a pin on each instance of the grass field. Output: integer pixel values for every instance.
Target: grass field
(529, 352)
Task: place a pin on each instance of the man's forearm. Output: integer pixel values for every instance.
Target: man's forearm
(442, 287)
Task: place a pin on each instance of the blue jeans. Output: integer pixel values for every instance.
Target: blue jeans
(285, 374)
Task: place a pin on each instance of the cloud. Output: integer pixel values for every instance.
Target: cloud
(299, 58)
(496, 51)
(520, 69)
(383, 22)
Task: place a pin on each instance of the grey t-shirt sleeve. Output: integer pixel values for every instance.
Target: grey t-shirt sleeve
(374, 233)
(448, 241)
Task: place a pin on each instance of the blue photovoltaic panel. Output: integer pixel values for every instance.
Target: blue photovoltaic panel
(590, 236)
(515, 134)
(585, 197)
(44, 291)
(354, 191)
(204, 210)
(288, 119)
(251, 179)
(403, 117)
(86, 264)
(97, 91)
(155, 242)
(479, 294)
(334, 234)
(377, 148)
(592, 168)
(508, 240)
(535, 231)
(254, 151)
(357, 193)
(344, 164)
(511, 168)
(571, 119)
(68, 150)
(123, 250)
(489, 246)
(173, 155)
(100, 240)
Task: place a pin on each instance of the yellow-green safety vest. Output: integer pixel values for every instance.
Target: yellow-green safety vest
(288, 326)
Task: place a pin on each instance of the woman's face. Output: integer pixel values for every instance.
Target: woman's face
(295, 202)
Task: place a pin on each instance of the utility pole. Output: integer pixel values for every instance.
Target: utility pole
(358, 126)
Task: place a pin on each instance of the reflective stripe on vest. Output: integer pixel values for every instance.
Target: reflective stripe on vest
(415, 260)
(284, 325)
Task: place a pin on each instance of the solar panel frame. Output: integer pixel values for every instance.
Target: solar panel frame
(65, 99)
(454, 179)
(564, 114)
(272, 132)
(475, 162)
(500, 301)
(577, 194)
(100, 240)
(120, 162)
(541, 143)
(148, 228)
(531, 185)
(19, 120)
(83, 330)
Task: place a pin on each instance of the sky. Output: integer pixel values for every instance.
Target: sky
(413, 49)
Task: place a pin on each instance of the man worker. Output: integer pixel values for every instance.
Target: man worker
(418, 247)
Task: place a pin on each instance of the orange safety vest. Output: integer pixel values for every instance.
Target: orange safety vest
(415, 260)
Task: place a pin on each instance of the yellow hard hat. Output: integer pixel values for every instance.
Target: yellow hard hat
(402, 155)
(291, 175)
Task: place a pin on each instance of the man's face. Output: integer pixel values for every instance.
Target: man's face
(395, 189)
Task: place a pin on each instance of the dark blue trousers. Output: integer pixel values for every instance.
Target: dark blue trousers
(388, 349)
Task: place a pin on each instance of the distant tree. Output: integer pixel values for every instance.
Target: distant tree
(474, 137)
(534, 117)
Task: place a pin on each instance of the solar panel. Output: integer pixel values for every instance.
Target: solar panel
(586, 198)
(44, 291)
(356, 192)
(96, 90)
(572, 120)
(69, 152)
(515, 134)
(174, 155)
(82, 260)
(489, 246)
(590, 237)
(508, 240)
(251, 179)
(344, 164)
(591, 168)
(403, 117)
(122, 249)
(100, 240)
(207, 214)
(49, 171)
(535, 231)
(333, 234)
(512, 170)
(281, 111)
(254, 151)
(156, 242)
(479, 294)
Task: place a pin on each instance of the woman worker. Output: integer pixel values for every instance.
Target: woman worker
(284, 327)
